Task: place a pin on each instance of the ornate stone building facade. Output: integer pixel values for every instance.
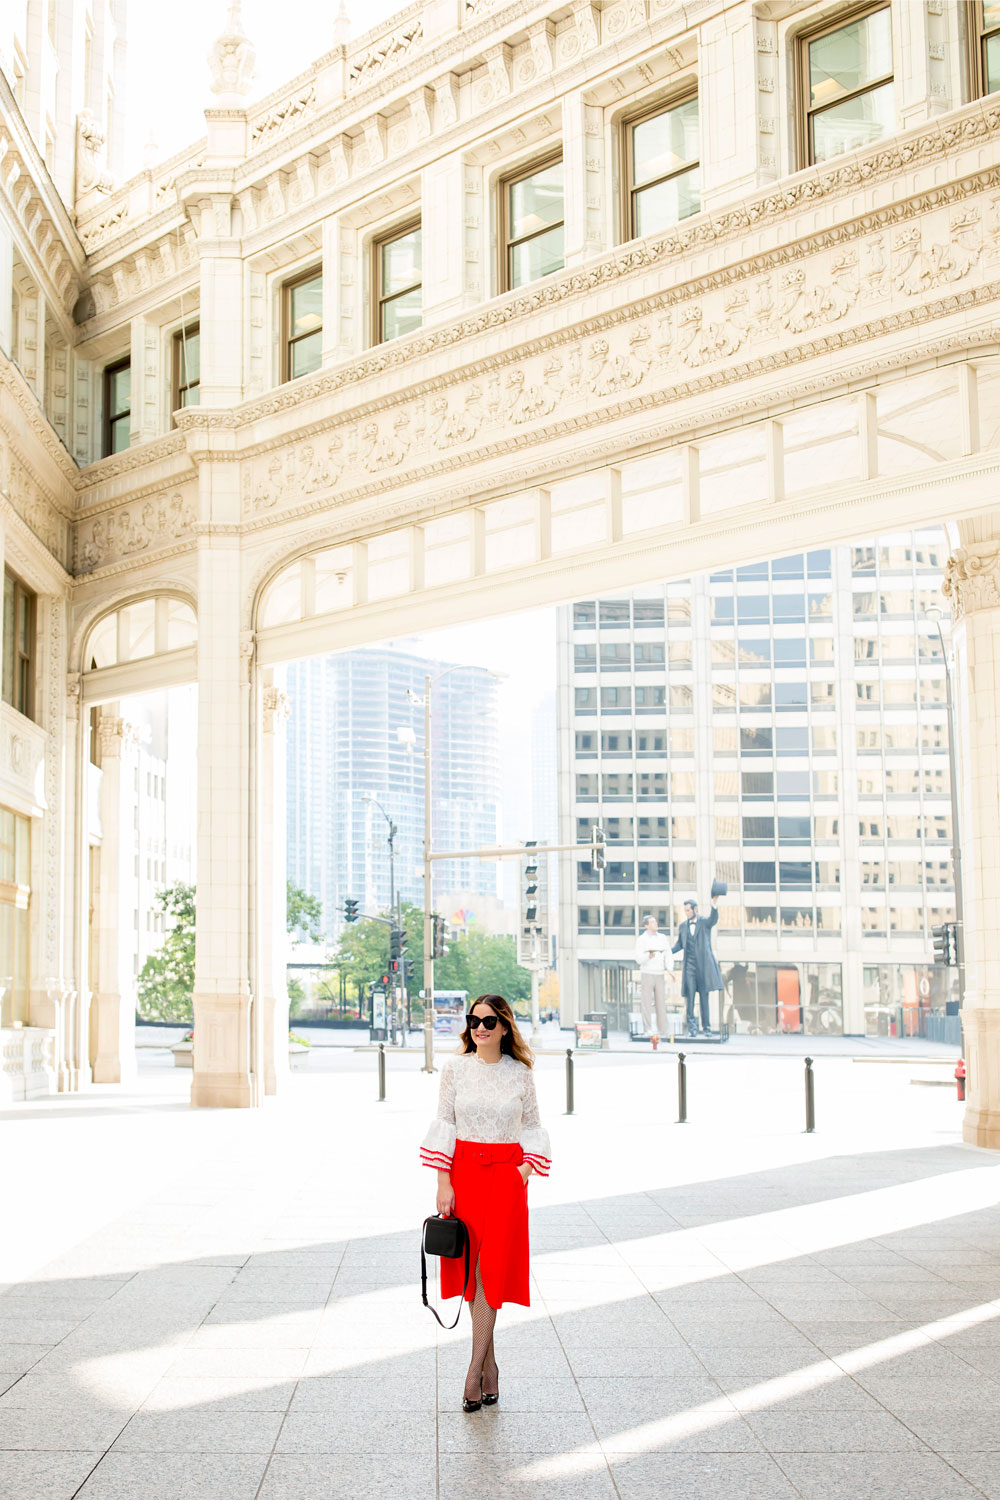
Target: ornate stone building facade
(697, 281)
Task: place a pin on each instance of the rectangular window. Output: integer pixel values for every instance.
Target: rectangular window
(847, 89)
(302, 325)
(661, 168)
(986, 46)
(186, 368)
(18, 646)
(531, 224)
(117, 407)
(398, 297)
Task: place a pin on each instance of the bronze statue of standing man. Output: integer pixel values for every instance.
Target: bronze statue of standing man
(699, 970)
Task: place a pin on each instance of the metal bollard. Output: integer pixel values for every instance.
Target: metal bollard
(569, 1080)
(381, 1072)
(810, 1097)
(682, 1089)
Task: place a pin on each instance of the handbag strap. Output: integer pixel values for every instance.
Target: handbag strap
(423, 1276)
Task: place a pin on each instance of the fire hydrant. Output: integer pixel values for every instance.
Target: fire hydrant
(655, 1040)
(960, 1079)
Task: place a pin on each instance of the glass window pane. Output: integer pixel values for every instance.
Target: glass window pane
(8, 1013)
(119, 391)
(991, 14)
(121, 433)
(306, 354)
(7, 826)
(23, 622)
(853, 124)
(535, 201)
(23, 861)
(190, 358)
(8, 638)
(192, 396)
(663, 144)
(668, 202)
(306, 310)
(991, 64)
(401, 263)
(402, 315)
(850, 57)
(537, 257)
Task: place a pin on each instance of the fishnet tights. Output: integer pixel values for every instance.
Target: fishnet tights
(483, 1376)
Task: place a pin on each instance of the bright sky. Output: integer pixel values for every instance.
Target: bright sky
(168, 76)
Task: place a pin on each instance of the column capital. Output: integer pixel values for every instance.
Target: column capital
(277, 708)
(972, 578)
(118, 736)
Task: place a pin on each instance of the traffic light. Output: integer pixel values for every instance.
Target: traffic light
(396, 944)
(350, 910)
(942, 943)
(531, 885)
(597, 848)
(438, 946)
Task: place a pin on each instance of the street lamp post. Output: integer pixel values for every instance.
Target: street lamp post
(429, 682)
(935, 613)
(394, 916)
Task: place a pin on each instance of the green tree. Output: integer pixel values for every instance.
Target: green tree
(483, 963)
(166, 982)
(362, 953)
(304, 914)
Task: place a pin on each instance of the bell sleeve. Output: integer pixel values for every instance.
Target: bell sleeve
(438, 1148)
(534, 1138)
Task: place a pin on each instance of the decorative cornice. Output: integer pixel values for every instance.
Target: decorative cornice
(126, 463)
(972, 579)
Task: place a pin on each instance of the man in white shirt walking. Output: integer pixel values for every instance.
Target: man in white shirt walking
(656, 965)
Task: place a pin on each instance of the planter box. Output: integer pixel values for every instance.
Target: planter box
(183, 1055)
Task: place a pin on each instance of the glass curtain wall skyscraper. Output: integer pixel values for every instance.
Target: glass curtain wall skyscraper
(781, 727)
(344, 748)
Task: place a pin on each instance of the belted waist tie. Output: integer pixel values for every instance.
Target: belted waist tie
(488, 1154)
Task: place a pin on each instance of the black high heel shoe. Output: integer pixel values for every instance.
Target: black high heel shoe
(491, 1399)
(468, 1405)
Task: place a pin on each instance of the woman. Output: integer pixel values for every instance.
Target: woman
(484, 1145)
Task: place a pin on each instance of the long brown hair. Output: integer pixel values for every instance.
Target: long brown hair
(512, 1043)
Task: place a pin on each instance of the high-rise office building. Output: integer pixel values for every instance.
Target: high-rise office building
(781, 727)
(347, 762)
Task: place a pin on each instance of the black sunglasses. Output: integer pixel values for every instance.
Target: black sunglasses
(490, 1022)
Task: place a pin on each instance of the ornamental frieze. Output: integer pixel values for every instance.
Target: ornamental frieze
(134, 531)
(650, 349)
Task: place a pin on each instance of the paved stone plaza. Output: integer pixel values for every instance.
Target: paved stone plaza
(223, 1305)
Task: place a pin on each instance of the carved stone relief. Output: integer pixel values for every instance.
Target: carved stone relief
(143, 527)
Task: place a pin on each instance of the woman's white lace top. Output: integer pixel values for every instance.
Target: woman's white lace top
(488, 1102)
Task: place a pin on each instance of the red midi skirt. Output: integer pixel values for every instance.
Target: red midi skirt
(492, 1202)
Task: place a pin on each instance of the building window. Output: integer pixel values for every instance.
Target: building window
(302, 325)
(398, 290)
(846, 73)
(15, 895)
(117, 407)
(661, 168)
(186, 368)
(985, 29)
(531, 224)
(18, 645)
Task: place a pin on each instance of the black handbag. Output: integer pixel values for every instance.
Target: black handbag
(450, 1238)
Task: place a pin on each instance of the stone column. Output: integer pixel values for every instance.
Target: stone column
(583, 168)
(972, 583)
(223, 1045)
(271, 890)
(113, 1002)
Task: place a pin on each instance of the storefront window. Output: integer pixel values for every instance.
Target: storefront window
(15, 893)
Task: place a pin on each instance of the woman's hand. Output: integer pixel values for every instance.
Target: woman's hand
(525, 1168)
(445, 1196)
